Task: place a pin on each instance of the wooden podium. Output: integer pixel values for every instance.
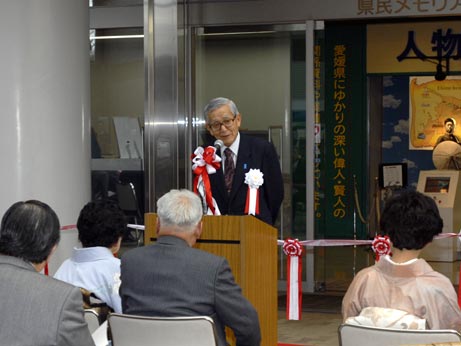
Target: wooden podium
(250, 246)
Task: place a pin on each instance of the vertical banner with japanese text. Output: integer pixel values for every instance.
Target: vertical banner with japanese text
(319, 142)
(345, 123)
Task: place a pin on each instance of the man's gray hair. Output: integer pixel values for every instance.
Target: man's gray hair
(218, 102)
(181, 208)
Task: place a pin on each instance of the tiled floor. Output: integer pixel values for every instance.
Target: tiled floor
(318, 326)
(316, 329)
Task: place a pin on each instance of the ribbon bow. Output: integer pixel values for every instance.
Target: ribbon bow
(293, 249)
(205, 162)
(381, 246)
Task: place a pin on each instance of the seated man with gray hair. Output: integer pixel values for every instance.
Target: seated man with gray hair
(171, 278)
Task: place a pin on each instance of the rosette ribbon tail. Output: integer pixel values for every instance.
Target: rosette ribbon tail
(294, 289)
(216, 209)
(293, 249)
(208, 195)
(202, 187)
(196, 182)
(252, 201)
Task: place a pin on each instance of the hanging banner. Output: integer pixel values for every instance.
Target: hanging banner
(345, 128)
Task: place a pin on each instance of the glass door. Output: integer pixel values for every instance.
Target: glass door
(263, 70)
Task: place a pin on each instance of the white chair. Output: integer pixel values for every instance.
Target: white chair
(132, 330)
(100, 336)
(92, 319)
(353, 335)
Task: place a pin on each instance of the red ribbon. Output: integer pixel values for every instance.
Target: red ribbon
(201, 171)
(459, 289)
(46, 270)
(381, 246)
(294, 250)
(247, 203)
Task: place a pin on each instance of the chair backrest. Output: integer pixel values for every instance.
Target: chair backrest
(93, 303)
(92, 319)
(353, 335)
(131, 330)
(126, 196)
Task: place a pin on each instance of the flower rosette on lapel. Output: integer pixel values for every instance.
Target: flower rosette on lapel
(205, 162)
(381, 246)
(293, 249)
(254, 179)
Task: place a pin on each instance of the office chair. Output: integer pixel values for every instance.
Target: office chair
(353, 335)
(132, 330)
(128, 202)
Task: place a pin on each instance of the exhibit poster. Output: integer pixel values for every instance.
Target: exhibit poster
(431, 102)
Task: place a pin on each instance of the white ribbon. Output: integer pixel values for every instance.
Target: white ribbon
(293, 308)
(252, 200)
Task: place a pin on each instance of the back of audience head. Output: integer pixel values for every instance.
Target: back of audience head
(29, 230)
(101, 223)
(179, 210)
(411, 220)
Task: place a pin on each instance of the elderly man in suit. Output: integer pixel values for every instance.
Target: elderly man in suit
(36, 309)
(171, 278)
(239, 154)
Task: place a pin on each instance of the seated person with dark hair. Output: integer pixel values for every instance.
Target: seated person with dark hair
(404, 281)
(36, 309)
(94, 267)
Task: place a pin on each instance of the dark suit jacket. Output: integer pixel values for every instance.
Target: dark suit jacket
(170, 278)
(253, 153)
(447, 137)
(39, 310)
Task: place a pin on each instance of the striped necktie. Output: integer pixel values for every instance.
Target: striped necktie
(229, 169)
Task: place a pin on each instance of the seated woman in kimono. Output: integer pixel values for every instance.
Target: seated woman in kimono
(403, 281)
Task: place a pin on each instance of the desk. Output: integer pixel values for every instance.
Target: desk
(100, 335)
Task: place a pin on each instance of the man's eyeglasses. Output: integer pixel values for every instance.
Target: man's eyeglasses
(216, 126)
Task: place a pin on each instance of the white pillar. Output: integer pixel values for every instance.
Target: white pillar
(45, 104)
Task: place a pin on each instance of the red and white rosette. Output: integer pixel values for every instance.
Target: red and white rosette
(254, 179)
(381, 246)
(205, 162)
(293, 250)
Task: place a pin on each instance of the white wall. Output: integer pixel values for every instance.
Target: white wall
(44, 93)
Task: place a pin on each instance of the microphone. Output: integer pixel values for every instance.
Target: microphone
(218, 144)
